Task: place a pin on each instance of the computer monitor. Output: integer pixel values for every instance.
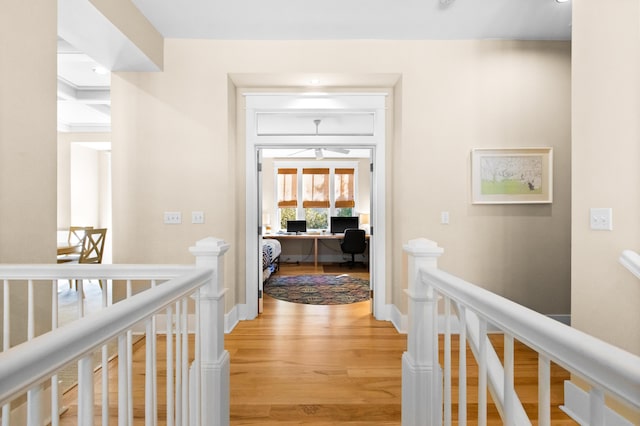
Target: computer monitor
(340, 223)
(297, 226)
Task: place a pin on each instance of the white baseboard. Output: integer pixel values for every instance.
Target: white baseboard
(231, 319)
(399, 321)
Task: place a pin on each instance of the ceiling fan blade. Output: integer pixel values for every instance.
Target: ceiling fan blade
(338, 150)
(298, 152)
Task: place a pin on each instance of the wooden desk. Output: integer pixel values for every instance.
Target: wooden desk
(314, 237)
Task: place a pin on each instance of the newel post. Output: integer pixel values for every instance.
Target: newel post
(214, 359)
(421, 373)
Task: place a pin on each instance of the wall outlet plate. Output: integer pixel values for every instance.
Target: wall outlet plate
(601, 219)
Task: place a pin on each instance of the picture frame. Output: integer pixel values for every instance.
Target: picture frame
(512, 175)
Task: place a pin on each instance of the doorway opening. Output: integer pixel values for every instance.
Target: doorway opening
(288, 120)
(326, 191)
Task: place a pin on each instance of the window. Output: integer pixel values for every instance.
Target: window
(315, 193)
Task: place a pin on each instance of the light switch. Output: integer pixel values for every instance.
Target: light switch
(197, 217)
(173, 218)
(601, 219)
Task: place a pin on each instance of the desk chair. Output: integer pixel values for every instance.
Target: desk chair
(354, 242)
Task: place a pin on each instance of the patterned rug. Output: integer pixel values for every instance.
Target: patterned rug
(318, 289)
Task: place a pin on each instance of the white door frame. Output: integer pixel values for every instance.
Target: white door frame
(320, 103)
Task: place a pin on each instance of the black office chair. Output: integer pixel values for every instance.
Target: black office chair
(354, 242)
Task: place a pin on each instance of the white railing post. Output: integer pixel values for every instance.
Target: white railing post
(214, 359)
(421, 373)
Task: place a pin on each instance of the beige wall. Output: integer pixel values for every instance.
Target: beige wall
(28, 147)
(606, 152)
(173, 149)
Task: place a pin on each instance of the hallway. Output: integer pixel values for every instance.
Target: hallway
(326, 365)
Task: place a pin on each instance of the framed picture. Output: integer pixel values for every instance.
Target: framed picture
(512, 176)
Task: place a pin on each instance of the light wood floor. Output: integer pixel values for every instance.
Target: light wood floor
(327, 365)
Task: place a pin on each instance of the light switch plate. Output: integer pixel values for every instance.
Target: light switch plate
(197, 217)
(172, 218)
(444, 218)
(601, 219)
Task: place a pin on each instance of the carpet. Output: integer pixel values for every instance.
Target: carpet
(318, 289)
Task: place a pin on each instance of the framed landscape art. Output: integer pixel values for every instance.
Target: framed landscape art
(512, 176)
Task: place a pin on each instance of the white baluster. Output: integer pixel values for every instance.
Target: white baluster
(178, 364)
(105, 385)
(169, 340)
(185, 363)
(31, 311)
(154, 359)
(447, 361)
(462, 367)
(130, 362)
(80, 299)
(509, 415)
(105, 365)
(34, 406)
(6, 342)
(123, 387)
(197, 363)
(148, 378)
(34, 395)
(596, 407)
(85, 391)
(482, 373)
(544, 391)
(55, 412)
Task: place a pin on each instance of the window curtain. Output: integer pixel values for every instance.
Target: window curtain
(287, 188)
(315, 188)
(344, 188)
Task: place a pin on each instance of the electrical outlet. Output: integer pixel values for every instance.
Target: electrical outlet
(173, 218)
(197, 217)
(601, 219)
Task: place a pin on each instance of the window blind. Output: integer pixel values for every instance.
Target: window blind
(344, 188)
(315, 188)
(287, 188)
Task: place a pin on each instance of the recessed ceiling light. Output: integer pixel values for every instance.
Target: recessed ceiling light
(315, 81)
(561, 1)
(100, 70)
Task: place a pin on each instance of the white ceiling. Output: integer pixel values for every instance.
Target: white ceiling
(83, 95)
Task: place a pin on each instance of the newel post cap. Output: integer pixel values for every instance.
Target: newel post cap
(209, 246)
(422, 247)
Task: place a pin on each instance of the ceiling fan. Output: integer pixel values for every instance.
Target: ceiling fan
(319, 151)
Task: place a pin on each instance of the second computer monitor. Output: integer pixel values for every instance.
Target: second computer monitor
(340, 223)
(297, 226)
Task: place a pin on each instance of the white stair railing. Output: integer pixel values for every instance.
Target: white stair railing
(32, 366)
(631, 260)
(426, 394)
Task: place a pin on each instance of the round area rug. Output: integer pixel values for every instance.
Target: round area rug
(318, 289)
